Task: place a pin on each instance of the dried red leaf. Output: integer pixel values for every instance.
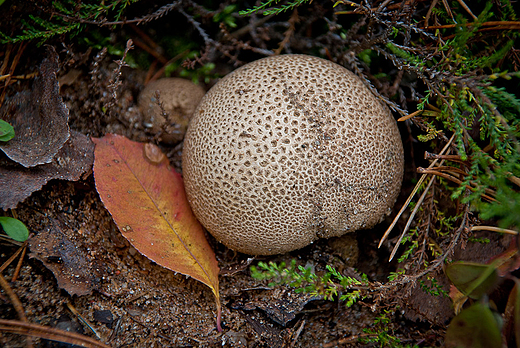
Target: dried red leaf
(147, 201)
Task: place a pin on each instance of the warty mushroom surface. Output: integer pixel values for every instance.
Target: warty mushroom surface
(288, 149)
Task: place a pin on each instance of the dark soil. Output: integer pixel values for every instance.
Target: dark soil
(149, 306)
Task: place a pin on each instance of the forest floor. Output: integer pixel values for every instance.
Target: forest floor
(81, 275)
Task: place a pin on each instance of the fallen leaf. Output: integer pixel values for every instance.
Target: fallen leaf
(39, 118)
(60, 251)
(474, 327)
(147, 201)
(73, 160)
(473, 279)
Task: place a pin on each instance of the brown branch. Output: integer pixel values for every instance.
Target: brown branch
(464, 6)
(148, 44)
(49, 333)
(16, 304)
(289, 32)
(455, 180)
(20, 261)
(11, 259)
(157, 14)
(495, 24)
(14, 63)
(429, 13)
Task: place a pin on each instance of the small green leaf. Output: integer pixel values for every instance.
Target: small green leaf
(473, 279)
(6, 131)
(474, 327)
(14, 228)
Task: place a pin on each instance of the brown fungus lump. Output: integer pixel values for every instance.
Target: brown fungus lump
(289, 149)
(167, 105)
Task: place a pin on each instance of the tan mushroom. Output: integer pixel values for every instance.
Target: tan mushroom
(289, 149)
(174, 97)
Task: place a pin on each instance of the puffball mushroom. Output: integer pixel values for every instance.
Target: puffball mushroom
(288, 149)
(176, 98)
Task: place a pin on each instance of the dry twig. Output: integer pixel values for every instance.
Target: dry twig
(49, 333)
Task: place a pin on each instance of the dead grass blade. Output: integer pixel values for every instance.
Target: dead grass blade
(414, 191)
(410, 219)
(494, 229)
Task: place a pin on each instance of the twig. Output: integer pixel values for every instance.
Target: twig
(464, 6)
(455, 180)
(11, 259)
(117, 328)
(244, 30)
(148, 45)
(19, 77)
(83, 320)
(148, 18)
(494, 229)
(161, 70)
(114, 81)
(8, 51)
(410, 219)
(429, 13)
(452, 158)
(448, 9)
(20, 261)
(407, 117)
(410, 197)
(515, 180)
(289, 32)
(207, 40)
(14, 63)
(453, 171)
(49, 333)
(297, 333)
(439, 261)
(496, 24)
(14, 298)
(16, 304)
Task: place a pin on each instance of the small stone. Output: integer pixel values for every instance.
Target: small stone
(104, 317)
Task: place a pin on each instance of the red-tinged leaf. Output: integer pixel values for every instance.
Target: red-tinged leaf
(147, 201)
(508, 261)
(458, 299)
(473, 279)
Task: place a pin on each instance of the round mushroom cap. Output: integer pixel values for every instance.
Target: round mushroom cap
(289, 149)
(179, 99)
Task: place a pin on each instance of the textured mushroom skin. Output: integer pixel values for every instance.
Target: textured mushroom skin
(179, 99)
(289, 149)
